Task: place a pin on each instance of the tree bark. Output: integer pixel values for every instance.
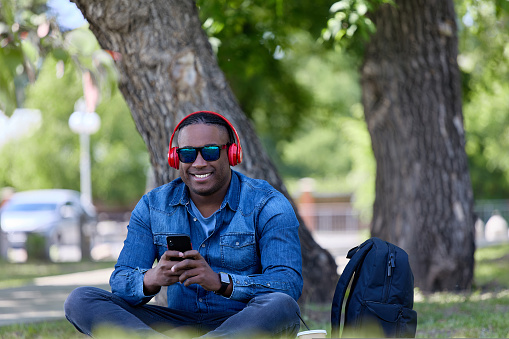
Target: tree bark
(412, 103)
(168, 70)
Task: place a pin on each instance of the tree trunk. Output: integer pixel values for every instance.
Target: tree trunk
(412, 103)
(168, 70)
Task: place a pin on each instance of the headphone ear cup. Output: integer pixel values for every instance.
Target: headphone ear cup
(233, 155)
(239, 153)
(173, 158)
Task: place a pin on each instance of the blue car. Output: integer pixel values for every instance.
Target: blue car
(57, 217)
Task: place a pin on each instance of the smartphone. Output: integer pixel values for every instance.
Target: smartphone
(179, 242)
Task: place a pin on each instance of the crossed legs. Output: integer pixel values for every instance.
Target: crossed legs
(273, 314)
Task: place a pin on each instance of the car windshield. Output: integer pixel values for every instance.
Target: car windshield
(34, 207)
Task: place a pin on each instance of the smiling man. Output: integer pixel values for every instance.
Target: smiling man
(242, 276)
(208, 181)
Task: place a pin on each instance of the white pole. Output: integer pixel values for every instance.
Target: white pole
(85, 177)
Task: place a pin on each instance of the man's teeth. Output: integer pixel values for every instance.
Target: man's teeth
(201, 176)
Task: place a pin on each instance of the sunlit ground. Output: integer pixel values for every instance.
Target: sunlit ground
(481, 313)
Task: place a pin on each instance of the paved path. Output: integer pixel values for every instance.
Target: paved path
(44, 299)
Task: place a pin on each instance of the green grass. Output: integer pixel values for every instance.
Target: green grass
(492, 267)
(481, 313)
(49, 329)
(472, 315)
(17, 274)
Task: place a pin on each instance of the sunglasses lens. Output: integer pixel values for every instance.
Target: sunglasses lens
(208, 153)
(211, 153)
(187, 155)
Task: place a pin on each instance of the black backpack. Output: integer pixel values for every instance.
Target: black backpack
(381, 295)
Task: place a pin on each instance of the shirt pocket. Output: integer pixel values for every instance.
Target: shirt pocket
(238, 251)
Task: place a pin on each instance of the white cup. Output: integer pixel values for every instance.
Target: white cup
(312, 334)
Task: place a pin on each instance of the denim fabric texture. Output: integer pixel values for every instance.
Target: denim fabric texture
(255, 240)
(273, 314)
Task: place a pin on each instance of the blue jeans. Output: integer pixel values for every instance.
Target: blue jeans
(271, 314)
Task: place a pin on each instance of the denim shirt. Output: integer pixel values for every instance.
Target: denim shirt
(255, 240)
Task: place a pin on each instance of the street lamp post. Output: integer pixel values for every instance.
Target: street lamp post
(84, 123)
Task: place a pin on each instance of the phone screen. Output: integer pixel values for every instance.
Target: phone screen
(179, 242)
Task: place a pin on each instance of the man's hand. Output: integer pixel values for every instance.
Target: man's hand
(162, 274)
(195, 270)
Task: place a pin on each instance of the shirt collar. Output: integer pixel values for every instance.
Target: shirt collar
(232, 197)
(180, 194)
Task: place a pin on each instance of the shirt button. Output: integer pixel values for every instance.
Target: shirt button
(200, 300)
(195, 219)
(202, 245)
(237, 243)
(268, 285)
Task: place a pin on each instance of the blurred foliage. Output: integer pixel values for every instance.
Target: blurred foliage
(483, 30)
(293, 67)
(50, 157)
(20, 47)
(302, 96)
(349, 26)
(50, 65)
(319, 131)
(333, 145)
(28, 35)
(252, 39)
(484, 62)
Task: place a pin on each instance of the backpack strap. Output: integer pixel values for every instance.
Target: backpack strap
(356, 255)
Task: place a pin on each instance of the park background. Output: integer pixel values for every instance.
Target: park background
(302, 93)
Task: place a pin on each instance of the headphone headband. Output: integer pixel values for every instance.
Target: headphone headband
(234, 150)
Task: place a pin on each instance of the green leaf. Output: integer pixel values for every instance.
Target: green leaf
(30, 51)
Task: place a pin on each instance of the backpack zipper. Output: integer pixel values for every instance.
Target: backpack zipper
(391, 264)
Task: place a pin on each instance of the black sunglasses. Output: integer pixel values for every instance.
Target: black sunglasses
(208, 153)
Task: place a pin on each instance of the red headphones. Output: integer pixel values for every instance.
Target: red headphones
(234, 150)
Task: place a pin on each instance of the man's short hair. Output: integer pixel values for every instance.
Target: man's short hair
(209, 119)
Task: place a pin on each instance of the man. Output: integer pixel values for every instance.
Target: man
(242, 277)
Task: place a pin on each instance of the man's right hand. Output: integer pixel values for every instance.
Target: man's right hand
(161, 275)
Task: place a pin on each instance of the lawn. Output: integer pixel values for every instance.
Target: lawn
(480, 313)
(14, 274)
